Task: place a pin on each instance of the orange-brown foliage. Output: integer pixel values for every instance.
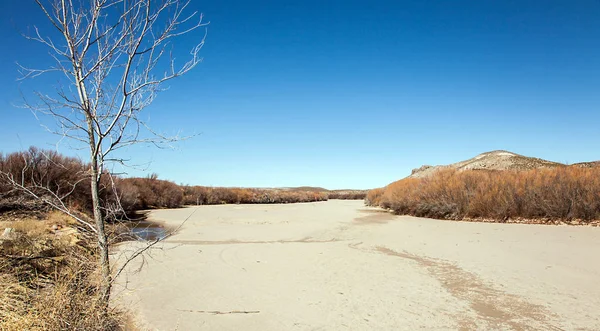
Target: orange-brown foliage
(66, 177)
(202, 195)
(373, 197)
(62, 174)
(563, 193)
(149, 192)
(347, 194)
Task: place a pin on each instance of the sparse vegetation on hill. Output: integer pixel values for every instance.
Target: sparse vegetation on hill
(541, 195)
(495, 160)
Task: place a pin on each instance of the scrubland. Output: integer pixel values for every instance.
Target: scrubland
(48, 269)
(550, 195)
(49, 174)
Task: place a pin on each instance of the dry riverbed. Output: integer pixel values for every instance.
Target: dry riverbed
(338, 265)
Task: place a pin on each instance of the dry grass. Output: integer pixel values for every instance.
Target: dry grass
(545, 195)
(47, 282)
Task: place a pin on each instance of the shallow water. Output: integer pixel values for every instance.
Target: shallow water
(144, 230)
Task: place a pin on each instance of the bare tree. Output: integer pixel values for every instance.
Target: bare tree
(115, 56)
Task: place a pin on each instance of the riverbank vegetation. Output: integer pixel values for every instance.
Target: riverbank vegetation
(47, 173)
(562, 194)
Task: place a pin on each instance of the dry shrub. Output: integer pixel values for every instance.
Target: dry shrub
(374, 196)
(347, 194)
(223, 195)
(562, 193)
(151, 192)
(43, 171)
(49, 283)
(148, 192)
(62, 174)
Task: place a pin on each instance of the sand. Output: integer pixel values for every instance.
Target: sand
(338, 265)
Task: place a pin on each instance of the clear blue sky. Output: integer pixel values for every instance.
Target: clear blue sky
(354, 94)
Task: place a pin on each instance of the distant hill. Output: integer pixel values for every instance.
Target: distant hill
(496, 160)
(306, 189)
(320, 189)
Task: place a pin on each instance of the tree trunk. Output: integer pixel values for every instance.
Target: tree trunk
(106, 281)
(96, 174)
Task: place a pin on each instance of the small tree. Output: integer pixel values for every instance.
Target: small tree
(115, 56)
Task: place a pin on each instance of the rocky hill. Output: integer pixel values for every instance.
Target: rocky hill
(495, 160)
(592, 164)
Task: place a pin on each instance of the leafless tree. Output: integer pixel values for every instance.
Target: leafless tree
(114, 56)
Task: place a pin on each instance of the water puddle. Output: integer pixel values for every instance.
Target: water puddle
(137, 227)
(149, 231)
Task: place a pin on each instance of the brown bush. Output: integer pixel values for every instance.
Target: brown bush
(62, 175)
(347, 195)
(374, 196)
(563, 193)
(221, 195)
(149, 192)
(45, 171)
(49, 175)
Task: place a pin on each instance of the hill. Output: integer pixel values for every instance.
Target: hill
(498, 186)
(494, 160)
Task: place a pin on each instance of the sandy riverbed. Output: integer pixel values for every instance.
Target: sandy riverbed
(338, 265)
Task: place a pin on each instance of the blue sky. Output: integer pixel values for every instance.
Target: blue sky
(354, 94)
